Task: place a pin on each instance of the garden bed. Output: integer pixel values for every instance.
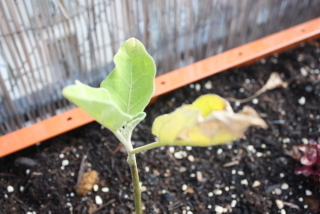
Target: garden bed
(251, 175)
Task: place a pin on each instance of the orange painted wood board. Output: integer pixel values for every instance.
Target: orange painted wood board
(165, 83)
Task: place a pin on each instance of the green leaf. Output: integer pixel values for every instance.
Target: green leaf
(127, 131)
(98, 103)
(131, 83)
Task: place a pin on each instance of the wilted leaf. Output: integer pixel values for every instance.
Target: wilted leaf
(273, 82)
(187, 125)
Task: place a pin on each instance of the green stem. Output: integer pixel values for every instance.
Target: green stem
(145, 147)
(135, 181)
(134, 171)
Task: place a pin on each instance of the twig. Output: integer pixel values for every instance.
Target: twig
(103, 205)
(291, 205)
(81, 171)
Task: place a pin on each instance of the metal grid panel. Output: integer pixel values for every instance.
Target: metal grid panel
(46, 45)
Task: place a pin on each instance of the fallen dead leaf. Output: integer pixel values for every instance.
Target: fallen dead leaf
(273, 82)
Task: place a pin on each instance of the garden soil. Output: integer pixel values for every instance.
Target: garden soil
(251, 175)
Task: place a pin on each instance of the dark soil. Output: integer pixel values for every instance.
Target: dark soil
(251, 175)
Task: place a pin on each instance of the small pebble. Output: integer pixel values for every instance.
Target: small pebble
(61, 156)
(210, 194)
(217, 192)
(308, 192)
(256, 183)
(184, 187)
(198, 87)
(182, 169)
(95, 187)
(284, 186)
(303, 71)
(286, 140)
(277, 191)
(21, 188)
(283, 211)
(281, 175)
(244, 182)
(171, 149)
(259, 154)
(250, 148)
(65, 162)
(208, 85)
(240, 172)
(302, 101)
(305, 140)
(219, 209)
(199, 176)
(274, 60)
(255, 101)
(98, 200)
(191, 158)
(28, 162)
(280, 204)
(308, 88)
(105, 189)
(233, 203)
(188, 148)
(10, 189)
(219, 151)
(143, 188)
(180, 154)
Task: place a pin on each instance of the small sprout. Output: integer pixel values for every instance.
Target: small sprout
(119, 103)
(310, 158)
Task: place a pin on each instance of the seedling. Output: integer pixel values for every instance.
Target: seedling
(309, 158)
(119, 103)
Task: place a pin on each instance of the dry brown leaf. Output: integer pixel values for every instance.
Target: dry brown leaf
(86, 183)
(273, 82)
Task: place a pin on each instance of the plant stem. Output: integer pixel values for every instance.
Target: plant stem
(135, 181)
(134, 171)
(145, 147)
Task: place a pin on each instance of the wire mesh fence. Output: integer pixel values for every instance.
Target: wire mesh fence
(47, 44)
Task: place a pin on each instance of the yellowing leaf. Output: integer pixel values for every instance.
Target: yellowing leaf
(169, 126)
(208, 121)
(211, 102)
(221, 127)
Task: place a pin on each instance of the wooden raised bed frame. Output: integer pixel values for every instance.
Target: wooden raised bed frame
(165, 83)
